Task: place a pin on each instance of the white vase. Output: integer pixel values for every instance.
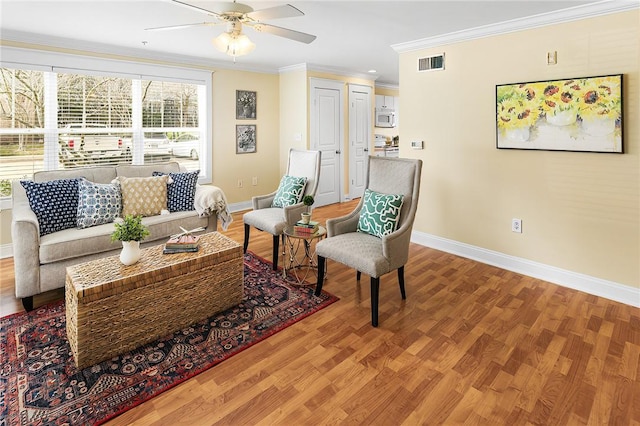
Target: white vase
(130, 252)
(518, 135)
(562, 118)
(306, 217)
(599, 127)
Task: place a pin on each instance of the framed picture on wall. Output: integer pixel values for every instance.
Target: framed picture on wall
(246, 105)
(574, 114)
(245, 138)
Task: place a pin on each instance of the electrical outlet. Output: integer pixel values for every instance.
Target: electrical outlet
(516, 225)
(240, 183)
(254, 181)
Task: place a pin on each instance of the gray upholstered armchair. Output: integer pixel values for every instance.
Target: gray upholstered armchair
(273, 220)
(350, 240)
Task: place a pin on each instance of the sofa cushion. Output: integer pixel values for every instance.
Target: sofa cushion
(380, 213)
(76, 243)
(289, 191)
(55, 203)
(181, 192)
(98, 174)
(98, 203)
(143, 196)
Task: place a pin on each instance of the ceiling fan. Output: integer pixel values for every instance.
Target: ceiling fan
(233, 42)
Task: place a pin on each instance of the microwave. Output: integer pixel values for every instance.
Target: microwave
(385, 117)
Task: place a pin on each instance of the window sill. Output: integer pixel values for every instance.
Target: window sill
(5, 203)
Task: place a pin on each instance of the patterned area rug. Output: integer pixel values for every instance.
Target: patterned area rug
(40, 385)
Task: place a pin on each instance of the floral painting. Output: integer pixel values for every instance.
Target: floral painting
(245, 138)
(579, 114)
(246, 104)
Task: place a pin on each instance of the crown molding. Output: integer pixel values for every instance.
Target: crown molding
(388, 86)
(328, 70)
(292, 68)
(38, 42)
(535, 21)
(341, 72)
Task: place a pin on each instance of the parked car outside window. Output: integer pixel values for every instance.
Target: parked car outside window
(155, 143)
(186, 145)
(88, 143)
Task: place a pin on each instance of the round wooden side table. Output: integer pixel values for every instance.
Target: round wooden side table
(296, 268)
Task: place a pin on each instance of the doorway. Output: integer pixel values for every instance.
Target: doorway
(327, 136)
(359, 137)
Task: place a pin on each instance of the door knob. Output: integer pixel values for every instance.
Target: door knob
(366, 150)
(337, 151)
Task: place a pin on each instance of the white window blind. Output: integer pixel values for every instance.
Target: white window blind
(94, 111)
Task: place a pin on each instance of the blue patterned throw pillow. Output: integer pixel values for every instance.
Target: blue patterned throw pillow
(98, 203)
(380, 213)
(290, 191)
(181, 193)
(55, 203)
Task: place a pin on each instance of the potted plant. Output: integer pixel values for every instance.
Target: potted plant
(130, 231)
(308, 201)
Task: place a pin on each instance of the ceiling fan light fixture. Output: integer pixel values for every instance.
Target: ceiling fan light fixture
(233, 44)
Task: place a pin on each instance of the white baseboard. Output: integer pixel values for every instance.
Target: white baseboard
(6, 250)
(238, 207)
(588, 284)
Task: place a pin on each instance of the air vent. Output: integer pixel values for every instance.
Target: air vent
(431, 63)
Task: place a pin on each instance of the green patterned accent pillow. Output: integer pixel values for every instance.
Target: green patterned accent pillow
(290, 191)
(380, 213)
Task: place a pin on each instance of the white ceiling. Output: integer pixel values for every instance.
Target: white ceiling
(352, 36)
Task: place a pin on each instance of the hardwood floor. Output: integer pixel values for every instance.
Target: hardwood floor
(472, 344)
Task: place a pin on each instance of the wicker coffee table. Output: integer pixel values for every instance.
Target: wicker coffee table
(112, 308)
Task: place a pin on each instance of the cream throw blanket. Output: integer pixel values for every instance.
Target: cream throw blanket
(210, 199)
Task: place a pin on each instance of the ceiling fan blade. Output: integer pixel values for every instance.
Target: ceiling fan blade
(196, 8)
(177, 27)
(284, 32)
(285, 11)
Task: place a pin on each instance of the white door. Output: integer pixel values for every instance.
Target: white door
(326, 131)
(359, 137)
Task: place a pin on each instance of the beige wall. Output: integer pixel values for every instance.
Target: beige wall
(229, 167)
(387, 91)
(294, 105)
(580, 211)
(5, 227)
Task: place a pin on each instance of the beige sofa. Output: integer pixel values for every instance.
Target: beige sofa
(41, 261)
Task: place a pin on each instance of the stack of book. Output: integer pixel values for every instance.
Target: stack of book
(306, 228)
(181, 244)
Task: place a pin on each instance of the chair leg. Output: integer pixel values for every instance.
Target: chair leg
(27, 303)
(321, 262)
(358, 274)
(276, 251)
(375, 295)
(247, 228)
(401, 281)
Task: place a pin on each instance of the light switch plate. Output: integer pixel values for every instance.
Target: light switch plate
(417, 144)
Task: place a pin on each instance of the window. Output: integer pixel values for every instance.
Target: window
(100, 112)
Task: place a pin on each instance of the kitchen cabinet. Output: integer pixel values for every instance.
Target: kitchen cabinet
(389, 102)
(390, 151)
(383, 101)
